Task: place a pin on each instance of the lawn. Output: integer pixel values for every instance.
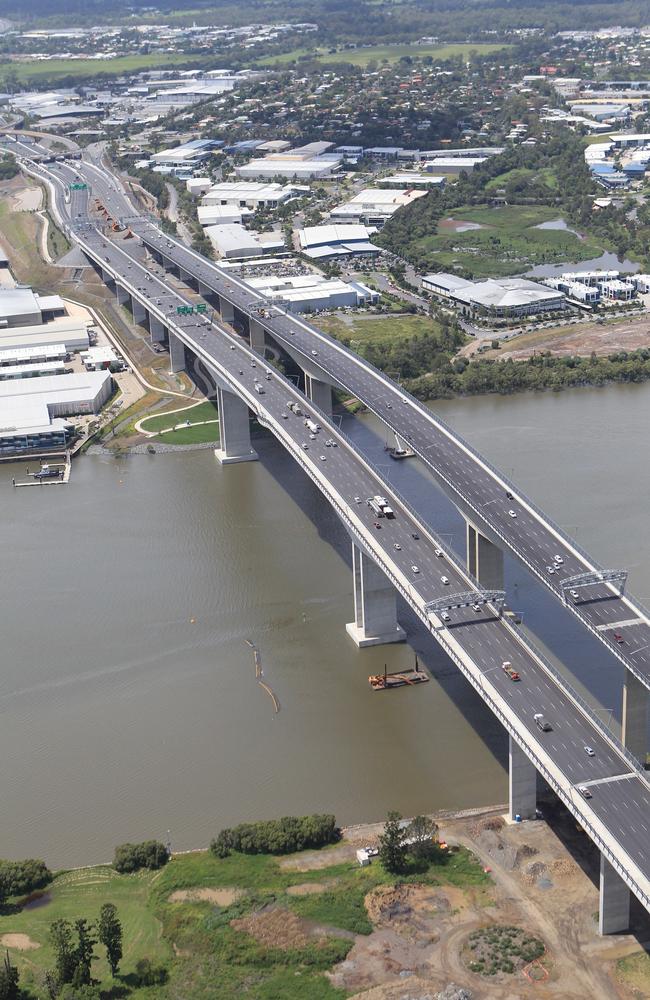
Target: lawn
(546, 176)
(80, 893)
(204, 432)
(56, 69)
(509, 243)
(378, 329)
(390, 53)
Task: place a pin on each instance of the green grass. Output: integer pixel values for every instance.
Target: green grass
(56, 69)
(390, 53)
(634, 972)
(379, 329)
(546, 176)
(81, 894)
(509, 244)
(185, 435)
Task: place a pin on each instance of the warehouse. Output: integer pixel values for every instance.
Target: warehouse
(19, 307)
(33, 355)
(415, 179)
(35, 370)
(453, 164)
(235, 242)
(304, 163)
(321, 242)
(496, 296)
(69, 333)
(247, 194)
(313, 292)
(373, 206)
(32, 411)
(220, 215)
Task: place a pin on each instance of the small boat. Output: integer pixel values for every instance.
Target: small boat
(403, 678)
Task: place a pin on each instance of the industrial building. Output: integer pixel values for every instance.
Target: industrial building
(496, 296)
(248, 194)
(413, 179)
(373, 206)
(221, 215)
(313, 292)
(321, 242)
(590, 287)
(185, 158)
(69, 333)
(310, 162)
(234, 242)
(453, 164)
(32, 411)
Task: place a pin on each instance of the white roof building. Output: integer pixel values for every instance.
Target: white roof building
(233, 241)
(320, 242)
(496, 296)
(414, 179)
(72, 334)
(313, 292)
(219, 215)
(248, 194)
(373, 206)
(308, 162)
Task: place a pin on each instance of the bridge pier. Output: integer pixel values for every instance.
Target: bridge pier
(319, 392)
(157, 329)
(234, 430)
(484, 559)
(635, 717)
(122, 294)
(139, 312)
(176, 354)
(204, 291)
(614, 908)
(226, 310)
(522, 783)
(256, 335)
(375, 606)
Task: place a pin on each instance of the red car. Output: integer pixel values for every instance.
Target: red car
(618, 637)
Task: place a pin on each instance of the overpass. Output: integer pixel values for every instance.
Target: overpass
(404, 557)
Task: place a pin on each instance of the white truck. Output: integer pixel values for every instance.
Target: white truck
(312, 426)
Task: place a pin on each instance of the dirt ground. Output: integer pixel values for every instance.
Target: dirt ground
(222, 897)
(540, 883)
(583, 339)
(21, 942)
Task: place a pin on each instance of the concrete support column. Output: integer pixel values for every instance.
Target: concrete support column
(635, 716)
(319, 392)
(226, 309)
(185, 276)
(614, 909)
(375, 610)
(204, 291)
(256, 335)
(139, 312)
(523, 784)
(157, 329)
(484, 559)
(176, 354)
(122, 295)
(234, 430)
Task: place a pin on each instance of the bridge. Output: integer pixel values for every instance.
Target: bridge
(403, 556)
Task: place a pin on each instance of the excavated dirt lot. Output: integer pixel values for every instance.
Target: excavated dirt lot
(583, 339)
(540, 883)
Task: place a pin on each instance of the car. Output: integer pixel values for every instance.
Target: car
(415, 535)
(328, 444)
(232, 347)
(323, 458)
(476, 608)
(253, 365)
(444, 580)
(357, 500)
(574, 594)
(589, 751)
(305, 446)
(285, 416)
(550, 569)
(377, 524)
(512, 513)
(558, 559)
(584, 791)
(389, 406)
(312, 437)
(446, 617)
(416, 569)
(439, 553)
(315, 353)
(509, 495)
(397, 546)
(618, 637)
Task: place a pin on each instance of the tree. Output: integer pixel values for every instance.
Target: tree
(64, 951)
(392, 852)
(8, 980)
(109, 930)
(423, 833)
(84, 952)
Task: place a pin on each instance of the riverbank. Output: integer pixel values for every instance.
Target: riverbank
(315, 925)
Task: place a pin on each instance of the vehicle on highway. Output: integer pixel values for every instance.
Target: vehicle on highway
(509, 495)
(389, 406)
(305, 446)
(377, 524)
(508, 668)
(415, 535)
(574, 594)
(323, 458)
(542, 723)
(512, 513)
(589, 751)
(444, 580)
(584, 791)
(285, 416)
(397, 546)
(357, 499)
(476, 608)
(618, 637)
(232, 347)
(416, 569)
(253, 365)
(558, 559)
(314, 353)
(439, 553)
(550, 569)
(312, 437)
(259, 388)
(446, 617)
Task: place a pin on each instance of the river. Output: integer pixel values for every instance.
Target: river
(128, 699)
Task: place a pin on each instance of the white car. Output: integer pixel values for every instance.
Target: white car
(315, 353)
(416, 569)
(550, 569)
(584, 791)
(444, 580)
(357, 499)
(323, 458)
(575, 595)
(512, 513)
(558, 559)
(589, 751)
(476, 608)
(397, 546)
(446, 617)
(439, 553)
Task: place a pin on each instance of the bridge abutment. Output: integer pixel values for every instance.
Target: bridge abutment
(319, 392)
(522, 784)
(375, 605)
(234, 430)
(176, 354)
(614, 908)
(635, 717)
(484, 559)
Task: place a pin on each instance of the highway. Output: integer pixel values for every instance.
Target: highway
(617, 815)
(619, 621)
